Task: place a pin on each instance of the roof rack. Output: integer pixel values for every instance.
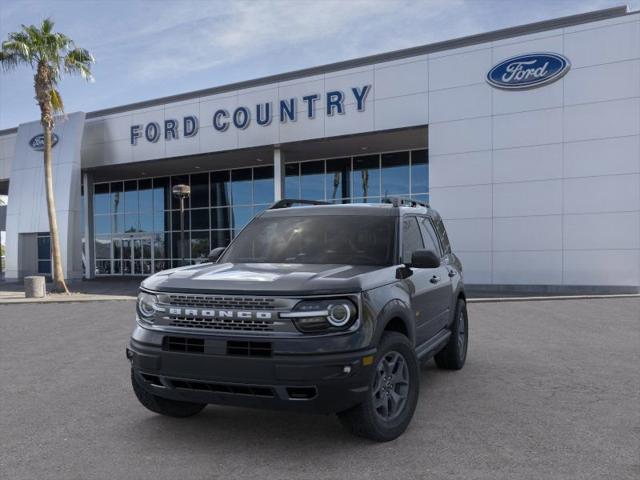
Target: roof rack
(290, 202)
(404, 202)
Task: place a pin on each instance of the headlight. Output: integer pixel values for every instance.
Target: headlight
(146, 305)
(323, 315)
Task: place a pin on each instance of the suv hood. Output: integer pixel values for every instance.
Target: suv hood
(270, 278)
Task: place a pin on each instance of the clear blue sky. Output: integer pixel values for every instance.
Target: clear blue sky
(149, 49)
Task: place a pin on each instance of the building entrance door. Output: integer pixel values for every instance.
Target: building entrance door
(133, 256)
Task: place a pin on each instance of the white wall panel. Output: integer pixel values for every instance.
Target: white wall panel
(462, 202)
(459, 103)
(602, 267)
(527, 128)
(460, 136)
(549, 96)
(540, 162)
(351, 122)
(608, 156)
(615, 193)
(302, 129)
(527, 198)
(471, 168)
(476, 267)
(527, 268)
(602, 231)
(473, 234)
(399, 112)
(547, 41)
(602, 82)
(399, 80)
(456, 70)
(345, 82)
(603, 45)
(527, 233)
(212, 140)
(601, 120)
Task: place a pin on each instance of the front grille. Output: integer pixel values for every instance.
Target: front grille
(222, 302)
(235, 324)
(183, 344)
(249, 349)
(255, 390)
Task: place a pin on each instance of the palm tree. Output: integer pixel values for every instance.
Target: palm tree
(50, 55)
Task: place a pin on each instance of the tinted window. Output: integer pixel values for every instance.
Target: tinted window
(442, 233)
(411, 238)
(348, 240)
(395, 173)
(429, 236)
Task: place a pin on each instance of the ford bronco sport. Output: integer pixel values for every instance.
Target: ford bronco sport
(312, 308)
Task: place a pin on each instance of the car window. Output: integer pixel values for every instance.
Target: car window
(442, 233)
(429, 235)
(411, 238)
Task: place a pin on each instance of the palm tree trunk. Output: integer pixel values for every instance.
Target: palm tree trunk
(59, 284)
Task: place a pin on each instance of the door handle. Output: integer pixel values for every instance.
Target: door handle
(435, 279)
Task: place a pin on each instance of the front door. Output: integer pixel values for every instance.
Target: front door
(133, 256)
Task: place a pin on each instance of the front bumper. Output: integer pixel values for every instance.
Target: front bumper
(313, 383)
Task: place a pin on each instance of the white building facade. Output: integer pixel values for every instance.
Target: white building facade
(526, 140)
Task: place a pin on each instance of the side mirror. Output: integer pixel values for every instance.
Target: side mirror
(214, 254)
(424, 259)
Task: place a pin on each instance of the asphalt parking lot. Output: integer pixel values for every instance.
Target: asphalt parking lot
(551, 389)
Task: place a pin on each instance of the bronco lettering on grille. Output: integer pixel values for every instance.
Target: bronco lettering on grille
(208, 313)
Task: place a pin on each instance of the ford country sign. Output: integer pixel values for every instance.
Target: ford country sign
(528, 71)
(37, 142)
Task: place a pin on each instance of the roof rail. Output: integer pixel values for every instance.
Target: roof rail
(404, 202)
(290, 202)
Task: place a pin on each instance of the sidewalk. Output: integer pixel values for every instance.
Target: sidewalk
(81, 291)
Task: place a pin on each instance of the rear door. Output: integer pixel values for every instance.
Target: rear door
(420, 285)
(441, 294)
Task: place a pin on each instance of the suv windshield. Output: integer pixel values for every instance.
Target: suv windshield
(337, 239)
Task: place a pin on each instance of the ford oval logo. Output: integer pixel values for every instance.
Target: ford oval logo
(37, 142)
(528, 71)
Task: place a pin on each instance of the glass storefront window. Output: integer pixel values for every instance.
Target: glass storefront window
(101, 199)
(175, 220)
(145, 195)
(241, 186)
(200, 190)
(240, 216)
(220, 189)
(131, 203)
(200, 219)
(419, 171)
(179, 180)
(220, 238)
(161, 194)
(337, 180)
(263, 185)
(200, 245)
(117, 192)
(366, 177)
(312, 180)
(220, 218)
(395, 173)
(292, 180)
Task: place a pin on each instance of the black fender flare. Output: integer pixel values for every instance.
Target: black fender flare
(395, 309)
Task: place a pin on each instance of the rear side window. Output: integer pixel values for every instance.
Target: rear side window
(429, 235)
(442, 233)
(411, 238)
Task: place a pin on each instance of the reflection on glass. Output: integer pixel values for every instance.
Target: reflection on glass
(161, 221)
(161, 194)
(419, 171)
(241, 186)
(117, 248)
(366, 177)
(220, 218)
(146, 222)
(131, 223)
(200, 190)
(102, 224)
(312, 180)
(200, 244)
(131, 203)
(200, 219)
(220, 189)
(179, 180)
(241, 216)
(145, 195)
(292, 180)
(103, 247)
(337, 179)
(116, 198)
(160, 243)
(395, 173)
(263, 185)
(220, 238)
(175, 220)
(101, 198)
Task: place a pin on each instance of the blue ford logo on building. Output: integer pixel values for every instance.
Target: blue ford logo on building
(37, 142)
(528, 71)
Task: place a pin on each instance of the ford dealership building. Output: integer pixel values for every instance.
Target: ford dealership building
(527, 140)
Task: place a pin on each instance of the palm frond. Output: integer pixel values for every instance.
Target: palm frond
(79, 61)
(56, 101)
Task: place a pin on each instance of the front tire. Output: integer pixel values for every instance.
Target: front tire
(164, 406)
(454, 354)
(393, 395)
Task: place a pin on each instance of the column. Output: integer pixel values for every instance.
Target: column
(278, 174)
(89, 257)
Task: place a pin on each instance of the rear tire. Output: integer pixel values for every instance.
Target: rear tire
(394, 388)
(164, 406)
(454, 354)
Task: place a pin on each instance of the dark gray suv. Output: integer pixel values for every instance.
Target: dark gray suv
(312, 308)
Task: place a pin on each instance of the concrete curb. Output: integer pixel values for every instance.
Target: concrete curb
(69, 299)
(550, 298)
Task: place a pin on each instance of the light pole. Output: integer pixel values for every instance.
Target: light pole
(182, 192)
